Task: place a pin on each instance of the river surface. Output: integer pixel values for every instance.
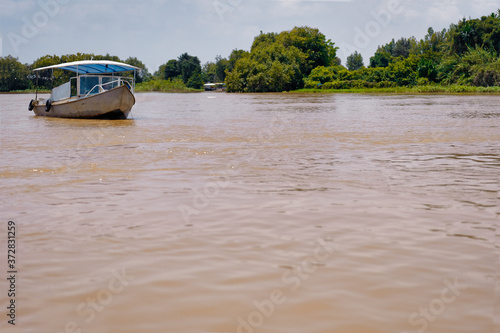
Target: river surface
(269, 213)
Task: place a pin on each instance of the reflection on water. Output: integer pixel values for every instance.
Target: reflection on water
(220, 212)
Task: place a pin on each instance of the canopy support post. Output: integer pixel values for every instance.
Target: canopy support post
(36, 87)
(77, 82)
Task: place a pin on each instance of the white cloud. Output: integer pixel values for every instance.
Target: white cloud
(13, 8)
(444, 11)
(485, 7)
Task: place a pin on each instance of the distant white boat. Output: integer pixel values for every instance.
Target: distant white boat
(95, 92)
(215, 86)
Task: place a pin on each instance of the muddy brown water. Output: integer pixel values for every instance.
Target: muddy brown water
(217, 212)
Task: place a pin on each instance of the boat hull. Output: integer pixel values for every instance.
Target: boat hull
(112, 104)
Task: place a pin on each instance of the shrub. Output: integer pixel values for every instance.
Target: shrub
(385, 84)
(312, 84)
(422, 81)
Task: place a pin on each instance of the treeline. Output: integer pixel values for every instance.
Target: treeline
(186, 74)
(15, 76)
(182, 74)
(466, 54)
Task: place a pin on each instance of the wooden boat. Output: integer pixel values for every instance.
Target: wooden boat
(96, 92)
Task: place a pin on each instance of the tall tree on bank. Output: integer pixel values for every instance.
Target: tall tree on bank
(221, 64)
(472, 33)
(215, 71)
(13, 74)
(279, 62)
(209, 72)
(143, 73)
(188, 66)
(171, 69)
(355, 61)
(235, 55)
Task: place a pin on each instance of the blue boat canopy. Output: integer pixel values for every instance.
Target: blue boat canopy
(93, 67)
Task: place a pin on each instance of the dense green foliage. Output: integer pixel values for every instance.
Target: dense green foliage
(174, 85)
(143, 74)
(13, 75)
(483, 33)
(215, 71)
(186, 67)
(279, 62)
(467, 54)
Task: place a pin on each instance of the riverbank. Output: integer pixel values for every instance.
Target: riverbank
(166, 86)
(176, 87)
(454, 89)
(28, 91)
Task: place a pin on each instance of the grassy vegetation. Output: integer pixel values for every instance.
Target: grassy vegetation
(169, 86)
(27, 91)
(452, 89)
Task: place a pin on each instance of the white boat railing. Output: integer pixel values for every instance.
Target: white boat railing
(102, 87)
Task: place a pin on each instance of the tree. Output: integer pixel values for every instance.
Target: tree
(143, 73)
(436, 41)
(472, 67)
(221, 64)
(318, 50)
(159, 74)
(13, 74)
(279, 62)
(484, 32)
(382, 58)
(263, 40)
(355, 61)
(215, 71)
(103, 57)
(171, 69)
(187, 66)
(402, 47)
(195, 81)
(267, 68)
(45, 79)
(209, 72)
(321, 75)
(404, 72)
(235, 55)
(427, 69)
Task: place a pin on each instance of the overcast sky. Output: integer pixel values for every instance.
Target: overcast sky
(155, 31)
